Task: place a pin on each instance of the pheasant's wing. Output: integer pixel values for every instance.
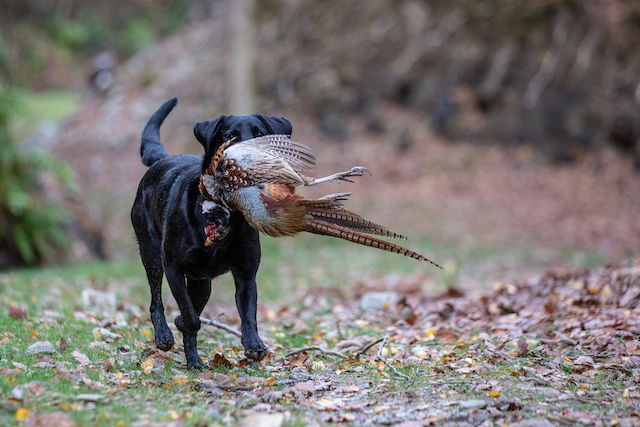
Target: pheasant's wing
(298, 156)
(245, 165)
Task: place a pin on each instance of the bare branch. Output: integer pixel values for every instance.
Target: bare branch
(316, 348)
(382, 359)
(221, 326)
(624, 347)
(366, 348)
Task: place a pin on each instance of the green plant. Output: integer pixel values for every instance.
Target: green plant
(31, 227)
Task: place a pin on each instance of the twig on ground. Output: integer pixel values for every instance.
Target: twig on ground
(366, 347)
(235, 387)
(316, 348)
(624, 347)
(383, 360)
(221, 326)
(419, 367)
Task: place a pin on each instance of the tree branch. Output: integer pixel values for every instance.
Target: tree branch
(221, 326)
(316, 348)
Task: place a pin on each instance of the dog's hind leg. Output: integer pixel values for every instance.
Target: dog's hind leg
(189, 320)
(199, 292)
(163, 335)
(150, 242)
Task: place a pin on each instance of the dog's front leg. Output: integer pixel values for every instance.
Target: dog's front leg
(247, 303)
(189, 320)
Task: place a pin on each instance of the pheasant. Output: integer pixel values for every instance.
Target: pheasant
(258, 178)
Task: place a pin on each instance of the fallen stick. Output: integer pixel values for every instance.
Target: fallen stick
(624, 347)
(379, 354)
(221, 326)
(316, 348)
(366, 347)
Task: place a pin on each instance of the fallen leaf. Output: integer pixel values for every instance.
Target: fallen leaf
(108, 364)
(305, 389)
(35, 388)
(81, 358)
(523, 347)
(219, 361)
(447, 336)
(16, 312)
(22, 414)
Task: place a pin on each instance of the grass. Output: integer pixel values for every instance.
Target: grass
(34, 109)
(289, 268)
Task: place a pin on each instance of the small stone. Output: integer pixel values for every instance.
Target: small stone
(103, 333)
(99, 301)
(263, 420)
(17, 393)
(472, 404)
(41, 347)
(89, 397)
(547, 391)
(378, 300)
(535, 422)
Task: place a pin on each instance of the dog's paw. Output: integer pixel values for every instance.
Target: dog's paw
(256, 353)
(164, 339)
(195, 364)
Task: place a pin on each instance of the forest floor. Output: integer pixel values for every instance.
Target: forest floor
(561, 348)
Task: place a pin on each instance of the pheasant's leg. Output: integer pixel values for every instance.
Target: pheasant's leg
(340, 176)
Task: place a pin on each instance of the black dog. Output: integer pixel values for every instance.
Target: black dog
(170, 227)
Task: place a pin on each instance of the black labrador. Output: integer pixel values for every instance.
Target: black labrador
(170, 227)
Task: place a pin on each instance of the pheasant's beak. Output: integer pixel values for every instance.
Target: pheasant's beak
(210, 231)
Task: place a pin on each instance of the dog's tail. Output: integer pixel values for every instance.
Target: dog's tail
(151, 149)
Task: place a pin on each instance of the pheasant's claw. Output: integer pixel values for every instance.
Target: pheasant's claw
(338, 197)
(358, 171)
(355, 171)
(340, 176)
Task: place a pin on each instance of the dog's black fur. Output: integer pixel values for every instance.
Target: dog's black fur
(169, 225)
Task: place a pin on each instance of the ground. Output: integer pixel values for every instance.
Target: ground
(562, 348)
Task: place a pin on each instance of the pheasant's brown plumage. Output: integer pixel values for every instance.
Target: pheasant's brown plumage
(258, 178)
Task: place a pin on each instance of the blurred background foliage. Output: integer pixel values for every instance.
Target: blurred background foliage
(44, 49)
(45, 35)
(31, 224)
(550, 82)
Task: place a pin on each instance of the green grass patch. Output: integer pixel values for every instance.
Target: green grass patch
(37, 108)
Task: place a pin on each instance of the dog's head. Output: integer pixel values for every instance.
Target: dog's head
(213, 133)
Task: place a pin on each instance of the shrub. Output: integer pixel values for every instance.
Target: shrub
(31, 224)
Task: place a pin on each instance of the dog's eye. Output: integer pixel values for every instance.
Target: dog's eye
(235, 135)
(258, 134)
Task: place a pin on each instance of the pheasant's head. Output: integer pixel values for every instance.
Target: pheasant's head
(218, 222)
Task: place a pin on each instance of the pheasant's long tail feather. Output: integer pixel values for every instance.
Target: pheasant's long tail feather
(321, 203)
(327, 229)
(345, 218)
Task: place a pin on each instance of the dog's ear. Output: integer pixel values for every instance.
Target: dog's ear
(208, 134)
(277, 125)
(207, 130)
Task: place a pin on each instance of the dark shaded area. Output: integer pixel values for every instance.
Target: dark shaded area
(561, 76)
